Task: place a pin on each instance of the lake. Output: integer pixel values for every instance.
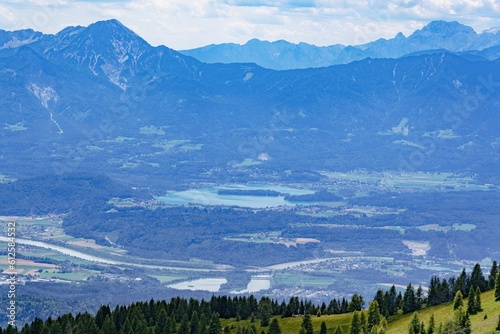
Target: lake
(210, 196)
(257, 283)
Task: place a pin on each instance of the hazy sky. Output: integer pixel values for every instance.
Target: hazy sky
(183, 24)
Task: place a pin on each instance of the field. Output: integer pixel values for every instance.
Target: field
(272, 238)
(340, 208)
(292, 325)
(421, 181)
(249, 162)
(302, 280)
(62, 262)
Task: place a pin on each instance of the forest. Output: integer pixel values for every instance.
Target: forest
(207, 316)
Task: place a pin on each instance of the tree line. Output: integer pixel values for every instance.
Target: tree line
(193, 316)
(183, 316)
(439, 291)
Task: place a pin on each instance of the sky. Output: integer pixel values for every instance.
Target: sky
(186, 24)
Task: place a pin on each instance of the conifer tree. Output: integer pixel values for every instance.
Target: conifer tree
(274, 327)
(414, 324)
(323, 329)
(108, 326)
(433, 294)
(409, 300)
(340, 331)
(170, 326)
(461, 283)
(458, 301)
(357, 303)
(387, 304)
(36, 325)
(307, 324)
(419, 298)
(139, 325)
(497, 287)
(379, 297)
(344, 306)
(56, 328)
(393, 303)
(498, 325)
(119, 317)
(445, 292)
(471, 302)
(355, 324)
(477, 278)
(264, 314)
(477, 302)
(466, 325)
(493, 275)
(101, 315)
(432, 325)
(364, 323)
(215, 326)
(460, 323)
(10, 330)
(45, 328)
(399, 302)
(194, 323)
(184, 327)
(373, 315)
(85, 324)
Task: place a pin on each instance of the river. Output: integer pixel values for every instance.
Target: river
(92, 258)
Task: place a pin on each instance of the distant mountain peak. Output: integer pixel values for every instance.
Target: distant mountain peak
(494, 31)
(445, 28)
(400, 35)
(111, 23)
(105, 48)
(114, 28)
(14, 39)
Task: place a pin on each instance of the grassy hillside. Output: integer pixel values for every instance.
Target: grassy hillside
(292, 325)
(397, 324)
(442, 313)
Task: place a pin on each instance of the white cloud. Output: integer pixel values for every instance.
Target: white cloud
(186, 24)
(7, 17)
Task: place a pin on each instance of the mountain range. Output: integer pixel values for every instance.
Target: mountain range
(97, 126)
(100, 98)
(435, 37)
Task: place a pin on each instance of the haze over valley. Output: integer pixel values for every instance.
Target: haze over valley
(276, 169)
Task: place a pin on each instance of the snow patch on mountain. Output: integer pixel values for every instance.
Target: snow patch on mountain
(124, 49)
(248, 76)
(15, 43)
(114, 75)
(401, 128)
(44, 94)
(9, 71)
